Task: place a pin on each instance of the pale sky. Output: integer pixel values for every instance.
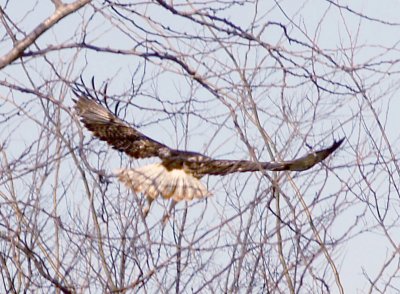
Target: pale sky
(330, 30)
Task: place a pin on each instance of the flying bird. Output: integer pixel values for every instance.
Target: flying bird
(177, 175)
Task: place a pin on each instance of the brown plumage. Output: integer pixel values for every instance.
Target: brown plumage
(178, 174)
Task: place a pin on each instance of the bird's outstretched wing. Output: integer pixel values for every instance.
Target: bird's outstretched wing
(177, 176)
(107, 127)
(310, 159)
(210, 166)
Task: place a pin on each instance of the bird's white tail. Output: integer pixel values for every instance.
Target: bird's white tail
(154, 179)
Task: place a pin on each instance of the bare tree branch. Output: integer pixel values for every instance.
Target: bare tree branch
(62, 10)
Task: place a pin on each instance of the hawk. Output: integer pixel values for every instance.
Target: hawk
(178, 174)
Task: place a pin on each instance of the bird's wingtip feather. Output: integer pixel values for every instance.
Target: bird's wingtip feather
(336, 144)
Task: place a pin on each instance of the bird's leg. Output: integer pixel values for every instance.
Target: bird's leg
(168, 214)
(147, 208)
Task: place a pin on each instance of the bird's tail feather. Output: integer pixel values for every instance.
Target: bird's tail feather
(154, 179)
